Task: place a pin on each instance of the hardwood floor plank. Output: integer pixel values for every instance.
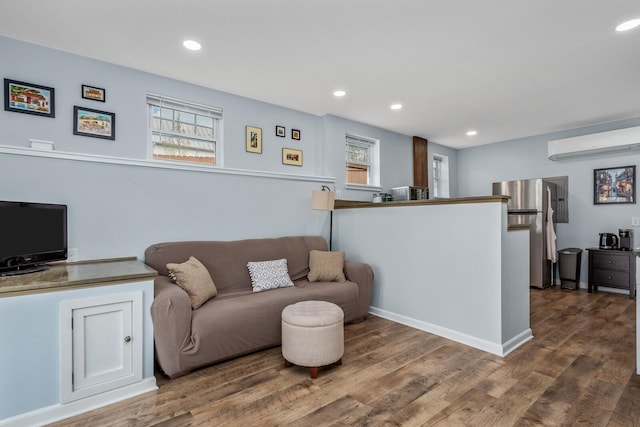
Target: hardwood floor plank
(578, 370)
(627, 410)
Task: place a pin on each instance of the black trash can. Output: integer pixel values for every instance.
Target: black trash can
(569, 267)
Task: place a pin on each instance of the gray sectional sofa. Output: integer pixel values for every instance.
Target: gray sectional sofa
(238, 321)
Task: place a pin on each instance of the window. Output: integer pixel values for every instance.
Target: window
(184, 131)
(440, 176)
(362, 167)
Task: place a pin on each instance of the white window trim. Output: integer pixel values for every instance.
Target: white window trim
(441, 183)
(374, 164)
(198, 109)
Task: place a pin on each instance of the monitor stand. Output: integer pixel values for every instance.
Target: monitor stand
(24, 270)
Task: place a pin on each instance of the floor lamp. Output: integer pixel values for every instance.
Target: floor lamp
(323, 200)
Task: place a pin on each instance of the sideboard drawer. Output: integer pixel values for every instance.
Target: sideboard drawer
(611, 262)
(610, 278)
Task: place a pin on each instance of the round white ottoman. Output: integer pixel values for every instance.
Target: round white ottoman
(312, 335)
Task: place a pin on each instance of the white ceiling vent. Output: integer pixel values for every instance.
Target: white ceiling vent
(603, 142)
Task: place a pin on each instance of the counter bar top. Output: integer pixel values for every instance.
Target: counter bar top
(63, 276)
(351, 204)
(354, 204)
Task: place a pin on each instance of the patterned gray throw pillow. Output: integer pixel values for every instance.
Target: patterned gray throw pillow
(269, 275)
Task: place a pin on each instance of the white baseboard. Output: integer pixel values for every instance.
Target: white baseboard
(59, 412)
(479, 343)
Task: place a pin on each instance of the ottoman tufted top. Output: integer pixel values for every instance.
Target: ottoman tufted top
(312, 313)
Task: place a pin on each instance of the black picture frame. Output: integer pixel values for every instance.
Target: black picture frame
(93, 93)
(94, 123)
(295, 134)
(281, 131)
(29, 98)
(614, 185)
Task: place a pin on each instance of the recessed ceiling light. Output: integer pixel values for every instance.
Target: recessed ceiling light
(628, 25)
(396, 106)
(192, 45)
(339, 93)
(472, 132)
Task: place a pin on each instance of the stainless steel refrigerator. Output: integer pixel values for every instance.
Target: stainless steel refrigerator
(529, 205)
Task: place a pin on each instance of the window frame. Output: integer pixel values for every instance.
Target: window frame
(373, 162)
(440, 176)
(188, 107)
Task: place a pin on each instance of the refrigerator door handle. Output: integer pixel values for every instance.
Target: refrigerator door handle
(523, 212)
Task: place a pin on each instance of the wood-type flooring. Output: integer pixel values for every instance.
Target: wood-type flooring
(578, 370)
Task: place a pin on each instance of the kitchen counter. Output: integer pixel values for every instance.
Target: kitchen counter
(351, 204)
(355, 204)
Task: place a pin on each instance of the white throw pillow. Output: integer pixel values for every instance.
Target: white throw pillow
(269, 275)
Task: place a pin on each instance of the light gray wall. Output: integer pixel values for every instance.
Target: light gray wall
(126, 91)
(117, 210)
(396, 162)
(527, 158)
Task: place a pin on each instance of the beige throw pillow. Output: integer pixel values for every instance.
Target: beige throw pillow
(195, 279)
(326, 266)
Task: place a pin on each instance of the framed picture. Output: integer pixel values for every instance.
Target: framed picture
(254, 140)
(614, 185)
(291, 157)
(280, 131)
(93, 93)
(94, 123)
(295, 134)
(29, 98)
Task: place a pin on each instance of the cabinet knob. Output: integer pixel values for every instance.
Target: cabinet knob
(607, 278)
(609, 261)
(127, 338)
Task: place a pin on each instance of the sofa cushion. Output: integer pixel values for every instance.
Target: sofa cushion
(326, 266)
(269, 275)
(194, 278)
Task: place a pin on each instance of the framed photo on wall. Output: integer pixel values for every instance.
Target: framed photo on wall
(291, 157)
(94, 123)
(614, 185)
(254, 139)
(280, 131)
(295, 134)
(29, 98)
(93, 93)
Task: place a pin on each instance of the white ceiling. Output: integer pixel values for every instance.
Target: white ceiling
(507, 68)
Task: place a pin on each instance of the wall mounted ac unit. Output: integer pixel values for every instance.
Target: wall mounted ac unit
(603, 142)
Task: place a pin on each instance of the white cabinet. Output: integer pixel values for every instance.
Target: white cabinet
(101, 344)
(49, 370)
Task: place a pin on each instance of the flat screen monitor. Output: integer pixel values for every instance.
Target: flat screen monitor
(31, 234)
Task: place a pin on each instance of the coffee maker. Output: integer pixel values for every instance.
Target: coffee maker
(626, 239)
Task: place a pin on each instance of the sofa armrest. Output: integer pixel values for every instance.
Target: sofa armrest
(171, 315)
(362, 274)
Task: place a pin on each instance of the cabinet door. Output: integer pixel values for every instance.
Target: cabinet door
(103, 347)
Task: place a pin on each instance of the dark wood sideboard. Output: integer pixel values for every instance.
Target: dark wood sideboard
(613, 269)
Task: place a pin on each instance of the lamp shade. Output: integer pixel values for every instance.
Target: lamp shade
(323, 200)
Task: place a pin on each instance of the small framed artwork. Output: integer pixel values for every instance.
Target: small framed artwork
(295, 134)
(93, 93)
(254, 140)
(614, 185)
(280, 131)
(291, 157)
(94, 123)
(29, 98)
